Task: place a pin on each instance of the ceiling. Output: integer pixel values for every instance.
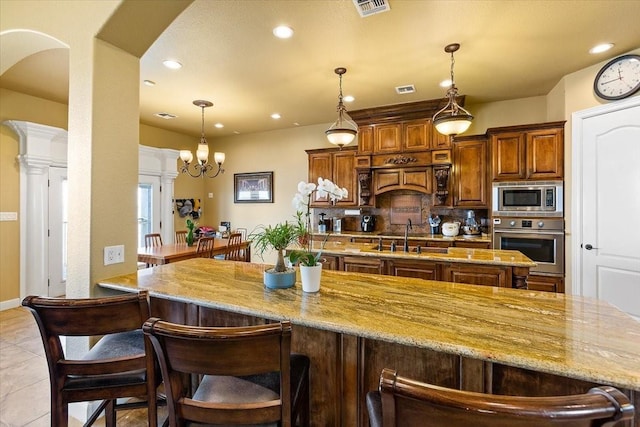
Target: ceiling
(509, 49)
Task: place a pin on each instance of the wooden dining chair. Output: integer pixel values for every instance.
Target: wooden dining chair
(248, 374)
(153, 239)
(181, 236)
(205, 247)
(234, 248)
(121, 364)
(401, 401)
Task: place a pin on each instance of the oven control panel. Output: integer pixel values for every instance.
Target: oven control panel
(502, 223)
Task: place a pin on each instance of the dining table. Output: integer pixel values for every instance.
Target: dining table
(174, 252)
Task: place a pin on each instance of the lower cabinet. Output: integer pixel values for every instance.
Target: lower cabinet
(404, 268)
(472, 245)
(362, 265)
(536, 282)
(330, 262)
(474, 274)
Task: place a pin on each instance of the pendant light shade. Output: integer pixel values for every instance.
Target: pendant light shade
(202, 167)
(344, 130)
(452, 119)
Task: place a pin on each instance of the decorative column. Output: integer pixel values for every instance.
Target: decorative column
(40, 148)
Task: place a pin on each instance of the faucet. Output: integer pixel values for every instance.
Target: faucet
(406, 235)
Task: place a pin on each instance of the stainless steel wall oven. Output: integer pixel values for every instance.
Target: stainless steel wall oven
(540, 239)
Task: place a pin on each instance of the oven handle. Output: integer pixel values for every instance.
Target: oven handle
(530, 233)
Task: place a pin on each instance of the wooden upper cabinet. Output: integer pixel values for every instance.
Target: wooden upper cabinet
(507, 156)
(545, 154)
(387, 138)
(470, 172)
(365, 139)
(438, 140)
(416, 179)
(528, 152)
(339, 167)
(344, 175)
(416, 135)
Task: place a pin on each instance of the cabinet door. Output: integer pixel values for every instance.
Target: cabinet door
(416, 179)
(545, 154)
(507, 155)
(386, 138)
(439, 243)
(320, 165)
(470, 174)
(438, 140)
(361, 265)
(365, 139)
(329, 262)
(477, 275)
(545, 283)
(417, 135)
(344, 175)
(420, 270)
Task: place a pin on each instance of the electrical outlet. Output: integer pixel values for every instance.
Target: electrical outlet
(113, 254)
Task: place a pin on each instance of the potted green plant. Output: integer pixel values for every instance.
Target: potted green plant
(277, 237)
(190, 227)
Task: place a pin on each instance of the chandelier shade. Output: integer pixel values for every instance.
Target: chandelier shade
(344, 130)
(452, 119)
(202, 168)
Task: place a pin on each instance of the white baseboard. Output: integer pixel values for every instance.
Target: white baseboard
(11, 303)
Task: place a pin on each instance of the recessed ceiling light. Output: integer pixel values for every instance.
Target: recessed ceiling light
(149, 83)
(282, 32)
(348, 98)
(237, 132)
(445, 83)
(275, 116)
(166, 116)
(601, 48)
(219, 125)
(170, 63)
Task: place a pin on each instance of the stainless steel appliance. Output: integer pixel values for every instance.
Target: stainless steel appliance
(528, 198)
(368, 223)
(540, 239)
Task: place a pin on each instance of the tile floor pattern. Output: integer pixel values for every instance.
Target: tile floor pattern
(24, 378)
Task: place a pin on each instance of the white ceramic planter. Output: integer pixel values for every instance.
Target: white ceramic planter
(310, 277)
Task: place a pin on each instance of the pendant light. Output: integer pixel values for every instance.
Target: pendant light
(452, 119)
(202, 167)
(344, 130)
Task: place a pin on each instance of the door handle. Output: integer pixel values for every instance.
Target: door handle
(589, 247)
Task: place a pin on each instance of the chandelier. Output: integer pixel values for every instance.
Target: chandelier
(344, 129)
(452, 119)
(202, 167)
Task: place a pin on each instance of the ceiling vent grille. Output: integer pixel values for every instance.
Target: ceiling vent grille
(371, 7)
(401, 90)
(166, 116)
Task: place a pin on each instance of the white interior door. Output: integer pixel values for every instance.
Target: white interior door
(608, 192)
(57, 231)
(148, 206)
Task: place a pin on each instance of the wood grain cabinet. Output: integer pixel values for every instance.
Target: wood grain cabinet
(361, 265)
(472, 245)
(404, 268)
(475, 274)
(338, 166)
(470, 172)
(536, 282)
(416, 179)
(533, 152)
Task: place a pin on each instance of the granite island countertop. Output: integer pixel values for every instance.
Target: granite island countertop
(571, 336)
(452, 254)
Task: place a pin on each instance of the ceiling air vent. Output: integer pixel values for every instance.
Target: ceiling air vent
(401, 90)
(371, 7)
(166, 116)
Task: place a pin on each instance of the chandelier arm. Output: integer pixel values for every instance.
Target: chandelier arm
(185, 169)
(209, 168)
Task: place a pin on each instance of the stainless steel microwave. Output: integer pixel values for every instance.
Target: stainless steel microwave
(530, 198)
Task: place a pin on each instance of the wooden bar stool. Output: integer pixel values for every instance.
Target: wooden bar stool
(401, 401)
(248, 374)
(121, 364)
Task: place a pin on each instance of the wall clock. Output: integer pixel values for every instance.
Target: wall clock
(619, 78)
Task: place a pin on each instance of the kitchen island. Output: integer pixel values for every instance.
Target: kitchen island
(480, 338)
(453, 264)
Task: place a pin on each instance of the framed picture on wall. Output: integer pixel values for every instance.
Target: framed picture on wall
(255, 187)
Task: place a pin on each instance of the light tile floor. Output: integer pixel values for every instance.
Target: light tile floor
(24, 378)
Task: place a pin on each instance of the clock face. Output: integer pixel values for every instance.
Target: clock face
(619, 78)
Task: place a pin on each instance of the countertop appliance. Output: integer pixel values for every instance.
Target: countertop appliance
(451, 229)
(540, 239)
(368, 223)
(528, 198)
